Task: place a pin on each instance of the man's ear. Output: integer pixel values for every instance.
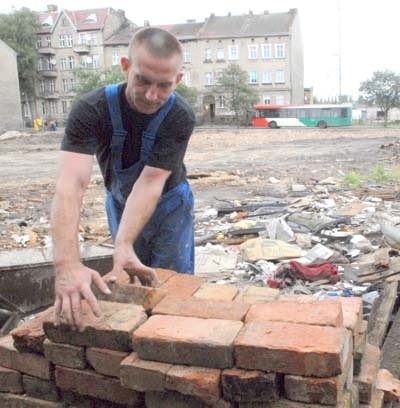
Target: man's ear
(179, 77)
(125, 64)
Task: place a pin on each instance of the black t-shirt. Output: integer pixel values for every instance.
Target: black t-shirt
(89, 131)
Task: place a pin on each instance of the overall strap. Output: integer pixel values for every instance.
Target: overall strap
(119, 132)
(149, 135)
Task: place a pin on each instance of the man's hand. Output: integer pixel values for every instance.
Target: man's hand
(126, 259)
(72, 283)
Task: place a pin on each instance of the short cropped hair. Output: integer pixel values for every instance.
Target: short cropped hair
(159, 42)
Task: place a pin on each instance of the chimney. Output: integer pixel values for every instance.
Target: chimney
(52, 7)
(250, 12)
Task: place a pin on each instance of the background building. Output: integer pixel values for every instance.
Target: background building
(10, 102)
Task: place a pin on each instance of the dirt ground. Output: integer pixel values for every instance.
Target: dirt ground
(223, 164)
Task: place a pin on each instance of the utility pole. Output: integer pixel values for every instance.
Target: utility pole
(339, 52)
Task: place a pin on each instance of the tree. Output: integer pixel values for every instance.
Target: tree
(382, 90)
(18, 30)
(88, 79)
(239, 96)
(188, 93)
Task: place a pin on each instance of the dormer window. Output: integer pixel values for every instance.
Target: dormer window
(91, 18)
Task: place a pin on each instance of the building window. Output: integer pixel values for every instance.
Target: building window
(221, 101)
(93, 38)
(72, 84)
(48, 41)
(40, 64)
(186, 78)
(52, 86)
(208, 79)
(42, 86)
(53, 107)
(267, 77)
(186, 56)
(65, 87)
(69, 40)
(233, 52)
(96, 61)
(44, 108)
(207, 54)
(253, 77)
(115, 58)
(25, 109)
(71, 62)
(220, 54)
(39, 42)
(61, 41)
(280, 99)
(64, 21)
(84, 39)
(64, 107)
(253, 51)
(266, 51)
(267, 100)
(279, 50)
(63, 63)
(280, 77)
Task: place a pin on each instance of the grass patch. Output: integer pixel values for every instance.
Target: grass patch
(379, 175)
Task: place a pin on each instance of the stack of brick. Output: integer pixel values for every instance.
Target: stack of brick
(189, 343)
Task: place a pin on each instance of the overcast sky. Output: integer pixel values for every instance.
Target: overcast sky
(345, 41)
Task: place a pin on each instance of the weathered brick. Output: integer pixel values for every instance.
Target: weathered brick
(315, 313)
(187, 340)
(105, 361)
(42, 389)
(368, 372)
(74, 400)
(205, 309)
(199, 382)
(182, 285)
(145, 296)
(88, 382)
(143, 375)
(214, 291)
(23, 401)
(171, 399)
(293, 348)
(282, 403)
(257, 294)
(27, 363)
(10, 381)
(312, 390)
(386, 382)
(113, 330)
(250, 385)
(359, 347)
(162, 274)
(29, 336)
(65, 355)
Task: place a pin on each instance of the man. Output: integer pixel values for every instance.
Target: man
(139, 132)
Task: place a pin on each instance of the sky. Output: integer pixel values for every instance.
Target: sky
(345, 41)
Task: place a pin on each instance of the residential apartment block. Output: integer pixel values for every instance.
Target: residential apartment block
(267, 46)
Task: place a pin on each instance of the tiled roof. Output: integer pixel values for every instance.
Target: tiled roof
(89, 19)
(47, 21)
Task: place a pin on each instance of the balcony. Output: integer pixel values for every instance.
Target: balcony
(47, 51)
(48, 73)
(82, 48)
(50, 95)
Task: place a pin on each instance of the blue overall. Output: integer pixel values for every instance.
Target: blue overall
(167, 240)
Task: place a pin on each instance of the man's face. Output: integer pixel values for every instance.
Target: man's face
(150, 79)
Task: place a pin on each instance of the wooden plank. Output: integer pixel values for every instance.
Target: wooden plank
(391, 348)
(380, 314)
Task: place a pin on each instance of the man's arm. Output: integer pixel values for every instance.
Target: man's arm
(140, 205)
(72, 278)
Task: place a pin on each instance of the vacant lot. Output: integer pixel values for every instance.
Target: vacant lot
(223, 164)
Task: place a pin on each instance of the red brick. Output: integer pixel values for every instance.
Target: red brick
(27, 363)
(113, 330)
(315, 313)
(87, 382)
(214, 291)
(368, 372)
(42, 389)
(326, 391)
(29, 336)
(105, 361)
(203, 383)
(293, 348)
(250, 385)
(144, 296)
(23, 401)
(10, 381)
(142, 375)
(282, 403)
(171, 399)
(187, 340)
(162, 274)
(182, 285)
(205, 309)
(65, 355)
(257, 294)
